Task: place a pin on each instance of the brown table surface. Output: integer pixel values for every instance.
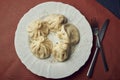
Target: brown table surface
(11, 67)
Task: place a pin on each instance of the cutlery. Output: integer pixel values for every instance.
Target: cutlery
(99, 45)
(99, 36)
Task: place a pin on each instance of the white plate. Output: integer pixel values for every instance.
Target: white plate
(46, 68)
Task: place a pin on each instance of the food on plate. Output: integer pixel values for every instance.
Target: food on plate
(73, 33)
(55, 21)
(61, 51)
(37, 28)
(40, 44)
(62, 35)
(41, 47)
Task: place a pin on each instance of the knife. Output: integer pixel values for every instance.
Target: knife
(101, 35)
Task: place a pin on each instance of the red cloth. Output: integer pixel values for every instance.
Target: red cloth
(11, 67)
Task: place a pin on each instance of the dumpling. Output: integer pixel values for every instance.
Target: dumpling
(37, 28)
(62, 34)
(55, 21)
(73, 33)
(61, 51)
(41, 47)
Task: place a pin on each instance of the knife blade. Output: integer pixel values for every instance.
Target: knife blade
(101, 36)
(103, 29)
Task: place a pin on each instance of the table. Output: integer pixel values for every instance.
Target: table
(11, 67)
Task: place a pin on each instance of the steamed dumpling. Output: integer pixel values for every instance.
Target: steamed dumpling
(73, 33)
(37, 28)
(41, 47)
(60, 51)
(55, 21)
(62, 34)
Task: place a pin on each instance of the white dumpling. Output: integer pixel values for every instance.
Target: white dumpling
(37, 28)
(73, 33)
(55, 21)
(62, 35)
(60, 51)
(41, 47)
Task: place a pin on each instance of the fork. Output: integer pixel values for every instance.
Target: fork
(94, 24)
